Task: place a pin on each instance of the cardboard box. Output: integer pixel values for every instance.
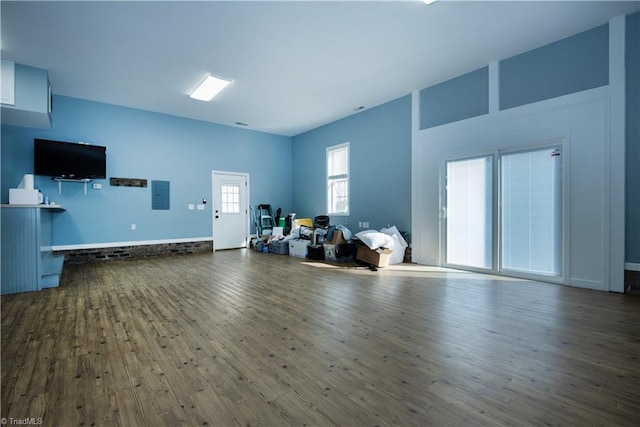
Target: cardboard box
(337, 238)
(379, 257)
(298, 247)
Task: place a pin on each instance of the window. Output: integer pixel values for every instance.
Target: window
(338, 179)
(230, 198)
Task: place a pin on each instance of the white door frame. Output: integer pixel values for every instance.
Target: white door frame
(213, 207)
(496, 237)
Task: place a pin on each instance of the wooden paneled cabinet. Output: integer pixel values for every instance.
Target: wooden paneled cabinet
(28, 263)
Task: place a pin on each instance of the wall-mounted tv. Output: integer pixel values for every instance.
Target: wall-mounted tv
(68, 160)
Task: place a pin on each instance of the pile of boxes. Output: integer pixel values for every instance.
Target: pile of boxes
(323, 244)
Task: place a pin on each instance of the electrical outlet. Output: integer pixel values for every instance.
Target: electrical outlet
(191, 206)
(366, 224)
(97, 186)
(133, 226)
(359, 224)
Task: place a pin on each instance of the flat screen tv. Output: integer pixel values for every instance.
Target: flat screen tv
(68, 160)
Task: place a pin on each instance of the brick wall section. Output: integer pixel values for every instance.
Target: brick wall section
(632, 282)
(81, 256)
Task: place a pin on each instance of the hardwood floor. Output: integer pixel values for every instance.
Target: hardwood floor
(244, 338)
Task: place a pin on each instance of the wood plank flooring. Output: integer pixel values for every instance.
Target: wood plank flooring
(244, 338)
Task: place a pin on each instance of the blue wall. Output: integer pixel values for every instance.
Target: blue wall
(142, 144)
(633, 139)
(380, 166)
(457, 99)
(570, 65)
(290, 172)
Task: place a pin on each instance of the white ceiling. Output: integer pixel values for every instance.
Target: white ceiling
(295, 65)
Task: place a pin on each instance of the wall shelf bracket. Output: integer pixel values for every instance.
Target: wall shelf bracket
(84, 181)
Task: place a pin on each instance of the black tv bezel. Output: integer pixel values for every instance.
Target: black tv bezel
(56, 167)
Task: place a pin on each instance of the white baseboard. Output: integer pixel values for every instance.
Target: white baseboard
(587, 284)
(124, 244)
(632, 266)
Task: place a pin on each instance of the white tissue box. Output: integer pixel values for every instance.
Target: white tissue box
(21, 196)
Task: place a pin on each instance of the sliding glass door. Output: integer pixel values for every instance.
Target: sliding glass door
(468, 212)
(531, 211)
(510, 224)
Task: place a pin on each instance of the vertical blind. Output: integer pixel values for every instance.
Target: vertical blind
(531, 195)
(469, 212)
(530, 212)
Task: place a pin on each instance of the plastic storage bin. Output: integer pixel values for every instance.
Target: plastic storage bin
(279, 247)
(298, 247)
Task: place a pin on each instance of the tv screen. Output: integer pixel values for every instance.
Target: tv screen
(69, 160)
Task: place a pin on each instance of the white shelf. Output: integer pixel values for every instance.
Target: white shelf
(40, 206)
(84, 181)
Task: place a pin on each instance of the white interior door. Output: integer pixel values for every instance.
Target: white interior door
(230, 210)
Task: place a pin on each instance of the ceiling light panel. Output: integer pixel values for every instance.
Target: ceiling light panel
(210, 87)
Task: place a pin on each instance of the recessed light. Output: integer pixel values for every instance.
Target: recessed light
(241, 124)
(209, 88)
(360, 108)
(427, 2)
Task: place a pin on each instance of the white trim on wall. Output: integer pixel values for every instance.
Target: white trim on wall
(616, 154)
(632, 266)
(416, 230)
(581, 120)
(131, 243)
(592, 125)
(494, 87)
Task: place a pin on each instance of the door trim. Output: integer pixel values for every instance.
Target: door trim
(561, 142)
(213, 208)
